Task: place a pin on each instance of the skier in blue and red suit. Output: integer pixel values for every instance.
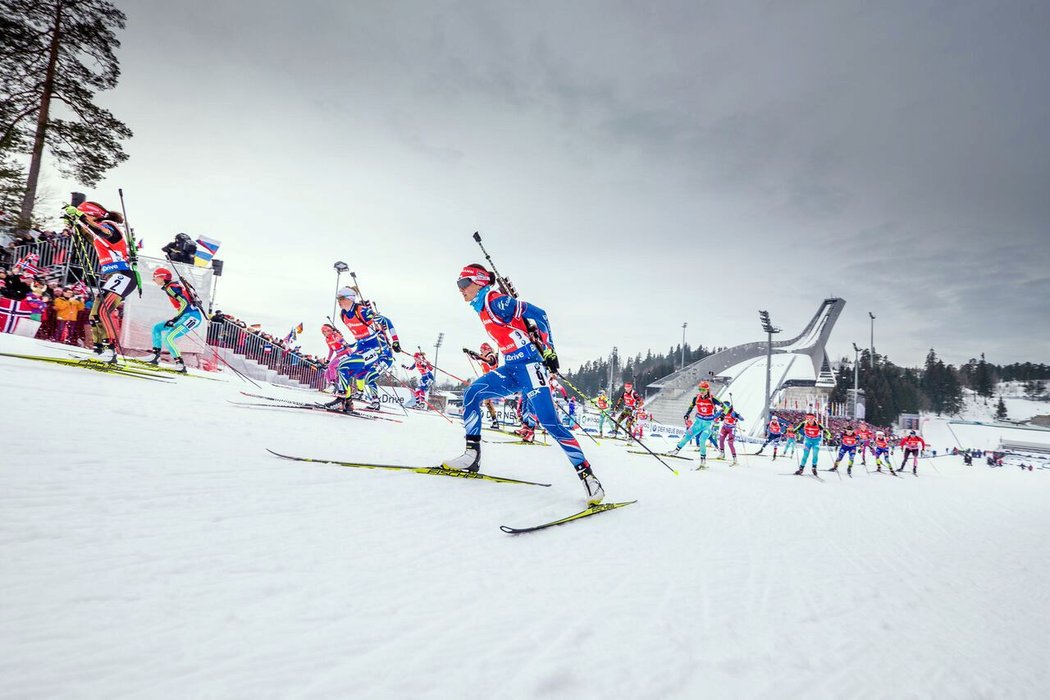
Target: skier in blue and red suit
(370, 356)
(847, 448)
(774, 433)
(522, 333)
(421, 364)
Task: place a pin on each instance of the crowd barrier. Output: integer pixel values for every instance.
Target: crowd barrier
(252, 346)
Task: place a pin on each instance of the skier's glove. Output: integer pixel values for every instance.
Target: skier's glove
(72, 212)
(397, 346)
(170, 323)
(550, 359)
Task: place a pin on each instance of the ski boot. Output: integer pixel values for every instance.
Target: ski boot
(340, 404)
(813, 469)
(374, 404)
(914, 470)
(733, 463)
(469, 461)
(593, 487)
(834, 468)
(849, 470)
(98, 348)
(180, 365)
(112, 348)
(495, 424)
(800, 470)
(155, 360)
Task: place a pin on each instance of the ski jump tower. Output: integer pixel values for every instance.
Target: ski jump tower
(741, 372)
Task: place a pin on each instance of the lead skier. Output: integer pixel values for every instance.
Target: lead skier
(522, 333)
(813, 433)
(103, 228)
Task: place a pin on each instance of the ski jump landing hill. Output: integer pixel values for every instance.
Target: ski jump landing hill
(741, 372)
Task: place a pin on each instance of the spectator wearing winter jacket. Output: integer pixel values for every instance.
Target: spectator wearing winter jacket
(15, 287)
(67, 309)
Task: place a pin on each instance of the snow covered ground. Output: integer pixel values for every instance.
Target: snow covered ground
(150, 547)
(1018, 407)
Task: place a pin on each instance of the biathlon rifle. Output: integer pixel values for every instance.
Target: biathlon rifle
(129, 238)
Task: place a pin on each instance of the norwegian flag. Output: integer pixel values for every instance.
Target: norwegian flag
(12, 311)
(81, 289)
(29, 265)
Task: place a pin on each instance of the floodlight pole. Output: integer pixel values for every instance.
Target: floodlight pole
(871, 360)
(856, 379)
(683, 345)
(437, 347)
(770, 329)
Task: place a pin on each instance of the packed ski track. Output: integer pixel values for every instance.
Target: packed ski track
(151, 547)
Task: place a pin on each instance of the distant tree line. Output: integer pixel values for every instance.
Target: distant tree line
(642, 370)
(889, 389)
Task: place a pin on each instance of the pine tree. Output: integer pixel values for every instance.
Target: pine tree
(983, 379)
(941, 386)
(1000, 409)
(58, 54)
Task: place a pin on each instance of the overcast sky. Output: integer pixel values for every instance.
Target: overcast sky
(631, 166)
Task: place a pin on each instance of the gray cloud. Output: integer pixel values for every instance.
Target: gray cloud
(636, 165)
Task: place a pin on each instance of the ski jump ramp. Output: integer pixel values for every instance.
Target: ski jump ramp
(741, 372)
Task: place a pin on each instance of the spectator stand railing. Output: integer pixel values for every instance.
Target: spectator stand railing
(58, 257)
(224, 333)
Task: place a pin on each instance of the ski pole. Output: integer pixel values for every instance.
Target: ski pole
(618, 425)
(461, 381)
(393, 396)
(577, 424)
(431, 406)
(473, 369)
(222, 359)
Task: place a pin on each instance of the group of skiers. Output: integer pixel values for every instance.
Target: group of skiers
(118, 278)
(522, 334)
(813, 434)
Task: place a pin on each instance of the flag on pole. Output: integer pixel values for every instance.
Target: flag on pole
(29, 265)
(206, 249)
(294, 333)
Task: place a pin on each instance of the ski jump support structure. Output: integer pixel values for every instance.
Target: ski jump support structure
(747, 381)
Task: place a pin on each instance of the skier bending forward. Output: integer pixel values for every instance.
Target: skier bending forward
(525, 369)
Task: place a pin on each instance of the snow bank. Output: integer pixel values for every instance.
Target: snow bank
(150, 547)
